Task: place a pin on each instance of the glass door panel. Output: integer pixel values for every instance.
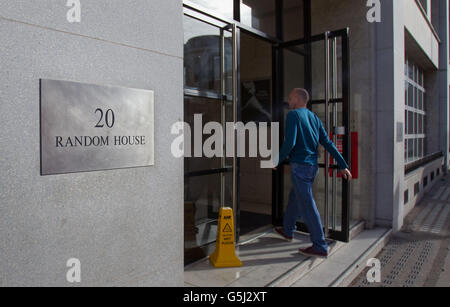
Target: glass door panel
(256, 93)
(209, 80)
(326, 77)
(293, 68)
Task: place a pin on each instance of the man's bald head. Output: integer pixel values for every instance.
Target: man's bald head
(298, 98)
(302, 94)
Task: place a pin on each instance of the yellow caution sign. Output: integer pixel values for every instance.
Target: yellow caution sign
(225, 254)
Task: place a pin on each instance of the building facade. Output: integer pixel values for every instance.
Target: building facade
(124, 226)
(377, 72)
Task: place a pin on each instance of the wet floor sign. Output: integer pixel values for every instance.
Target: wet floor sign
(225, 254)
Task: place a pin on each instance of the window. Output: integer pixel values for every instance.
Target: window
(406, 197)
(416, 188)
(208, 182)
(415, 114)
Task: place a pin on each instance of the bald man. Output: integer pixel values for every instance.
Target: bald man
(304, 133)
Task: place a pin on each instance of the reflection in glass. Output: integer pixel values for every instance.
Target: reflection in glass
(202, 44)
(210, 109)
(410, 95)
(255, 193)
(202, 196)
(207, 184)
(294, 67)
(420, 103)
(256, 79)
(220, 7)
(339, 67)
(410, 71)
(293, 20)
(318, 70)
(410, 149)
(259, 14)
(202, 192)
(410, 122)
(406, 93)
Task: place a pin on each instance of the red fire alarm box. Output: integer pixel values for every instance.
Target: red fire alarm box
(354, 153)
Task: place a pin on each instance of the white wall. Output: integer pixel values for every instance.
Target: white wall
(418, 26)
(397, 17)
(124, 225)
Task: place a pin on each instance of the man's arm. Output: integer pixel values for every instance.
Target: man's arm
(330, 147)
(290, 137)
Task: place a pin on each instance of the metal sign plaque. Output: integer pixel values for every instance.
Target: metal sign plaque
(87, 127)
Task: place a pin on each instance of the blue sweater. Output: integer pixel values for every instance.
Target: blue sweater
(304, 132)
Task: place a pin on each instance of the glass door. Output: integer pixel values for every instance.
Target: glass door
(256, 96)
(320, 65)
(210, 62)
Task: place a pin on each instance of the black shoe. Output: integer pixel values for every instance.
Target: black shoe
(311, 252)
(279, 230)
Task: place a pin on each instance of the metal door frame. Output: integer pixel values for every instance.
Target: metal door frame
(197, 12)
(221, 97)
(329, 39)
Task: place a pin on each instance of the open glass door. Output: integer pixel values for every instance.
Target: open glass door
(321, 65)
(210, 61)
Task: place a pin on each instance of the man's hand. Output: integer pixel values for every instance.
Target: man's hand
(346, 174)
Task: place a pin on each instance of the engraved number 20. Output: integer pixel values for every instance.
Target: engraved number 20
(107, 118)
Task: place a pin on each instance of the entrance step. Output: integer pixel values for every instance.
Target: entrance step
(303, 268)
(348, 262)
(356, 229)
(271, 261)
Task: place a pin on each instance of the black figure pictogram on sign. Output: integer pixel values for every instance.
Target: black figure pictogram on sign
(227, 228)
